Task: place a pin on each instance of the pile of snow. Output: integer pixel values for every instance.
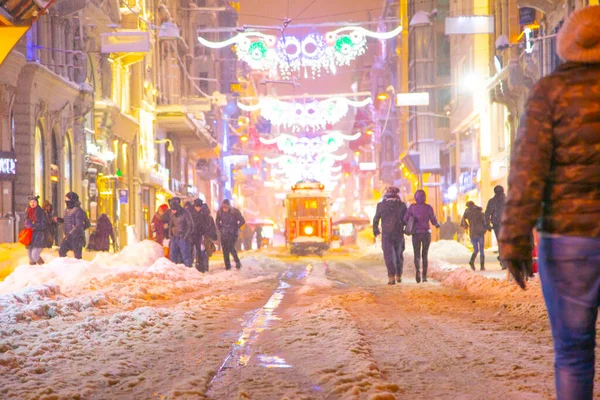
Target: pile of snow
(138, 274)
(448, 250)
(317, 278)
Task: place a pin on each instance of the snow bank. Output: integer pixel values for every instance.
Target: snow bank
(138, 274)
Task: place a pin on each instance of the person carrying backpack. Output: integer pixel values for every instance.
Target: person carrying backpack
(474, 220)
(76, 222)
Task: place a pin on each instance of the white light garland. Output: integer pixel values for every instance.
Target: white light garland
(311, 114)
(305, 147)
(314, 53)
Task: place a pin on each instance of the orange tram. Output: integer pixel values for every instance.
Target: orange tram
(308, 225)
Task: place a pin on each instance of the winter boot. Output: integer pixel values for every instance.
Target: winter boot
(418, 271)
(238, 265)
(391, 280)
(472, 262)
(399, 278)
(424, 273)
(32, 263)
(482, 263)
(40, 261)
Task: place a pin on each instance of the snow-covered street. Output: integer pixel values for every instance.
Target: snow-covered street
(136, 326)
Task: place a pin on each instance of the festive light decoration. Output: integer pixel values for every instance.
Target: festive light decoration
(314, 53)
(311, 114)
(304, 147)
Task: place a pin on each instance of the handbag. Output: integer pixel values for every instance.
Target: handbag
(25, 236)
(209, 246)
(409, 229)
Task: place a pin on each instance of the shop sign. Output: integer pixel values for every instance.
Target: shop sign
(8, 165)
(123, 196)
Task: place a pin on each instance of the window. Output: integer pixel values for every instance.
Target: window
(443, 97)
(443, 55)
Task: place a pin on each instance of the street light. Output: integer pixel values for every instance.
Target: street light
(170, 147)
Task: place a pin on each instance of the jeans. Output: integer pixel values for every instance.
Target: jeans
(68, 244)
(228, 245)
(569, 270)
(478, 248)
(421, 242)
(393, 253)
(34, 254)
(180, 251)
(199, 256)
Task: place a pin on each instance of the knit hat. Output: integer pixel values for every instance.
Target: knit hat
(498, 190)
(163, 208)
(579, 38)
(470, 204)
(226, 202)
(34, 197)
(198, 203)
(175, 202)
(72, 196)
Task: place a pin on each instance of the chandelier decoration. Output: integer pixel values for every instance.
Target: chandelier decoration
(310, 115)
(289, 54)
(306, 147)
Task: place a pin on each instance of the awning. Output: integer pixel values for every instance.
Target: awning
(190, 130)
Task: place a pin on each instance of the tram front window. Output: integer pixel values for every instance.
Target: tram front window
(309, 207)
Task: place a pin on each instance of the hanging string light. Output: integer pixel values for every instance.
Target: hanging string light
(289, 54)
(310, 115)
(304, 147)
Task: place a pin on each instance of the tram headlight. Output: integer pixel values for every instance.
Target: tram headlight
(308, 230)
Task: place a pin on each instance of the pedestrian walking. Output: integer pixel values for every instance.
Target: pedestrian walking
(474, 220)
(229, 221)
(75, 223)
(247, 235)
(210, 236)
(448, 230)
(37, 221)
(201, 226)
(422, 214)
(391, 212)
(181, 230)
(554, 183)
(52, 230)
(259, 237)
(493, 214)
(160, 224)
(101, 239)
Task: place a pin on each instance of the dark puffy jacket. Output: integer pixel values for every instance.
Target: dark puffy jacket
(181, 225)
(555, 166)
(474, 220)
(210, 227)
(495, 209)
(391, 212)
(229, 223)
(73, 219)
(39, 226)
(423, 214)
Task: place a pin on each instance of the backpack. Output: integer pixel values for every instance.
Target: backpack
(86, 222)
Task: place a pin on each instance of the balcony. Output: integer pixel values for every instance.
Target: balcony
(188, 123)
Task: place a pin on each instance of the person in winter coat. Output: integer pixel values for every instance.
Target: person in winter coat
(229, 221)
(201, 226)
(448, 230)
(74, 220)
(99, 240)
(391, 211)
(493, 214)
(259, 237)
(181, 231)
(248, 235)
(160, 225)
(474, 220)
(423, 214)
(52, 230)
(37, 220)
(554, 184)
(210, 236)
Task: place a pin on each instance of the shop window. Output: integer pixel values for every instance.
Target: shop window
(38, 161)
(67, 165)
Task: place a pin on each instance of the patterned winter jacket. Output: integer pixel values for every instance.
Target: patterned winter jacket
(555, 166)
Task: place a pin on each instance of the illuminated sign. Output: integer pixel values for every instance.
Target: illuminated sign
(8, 165)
